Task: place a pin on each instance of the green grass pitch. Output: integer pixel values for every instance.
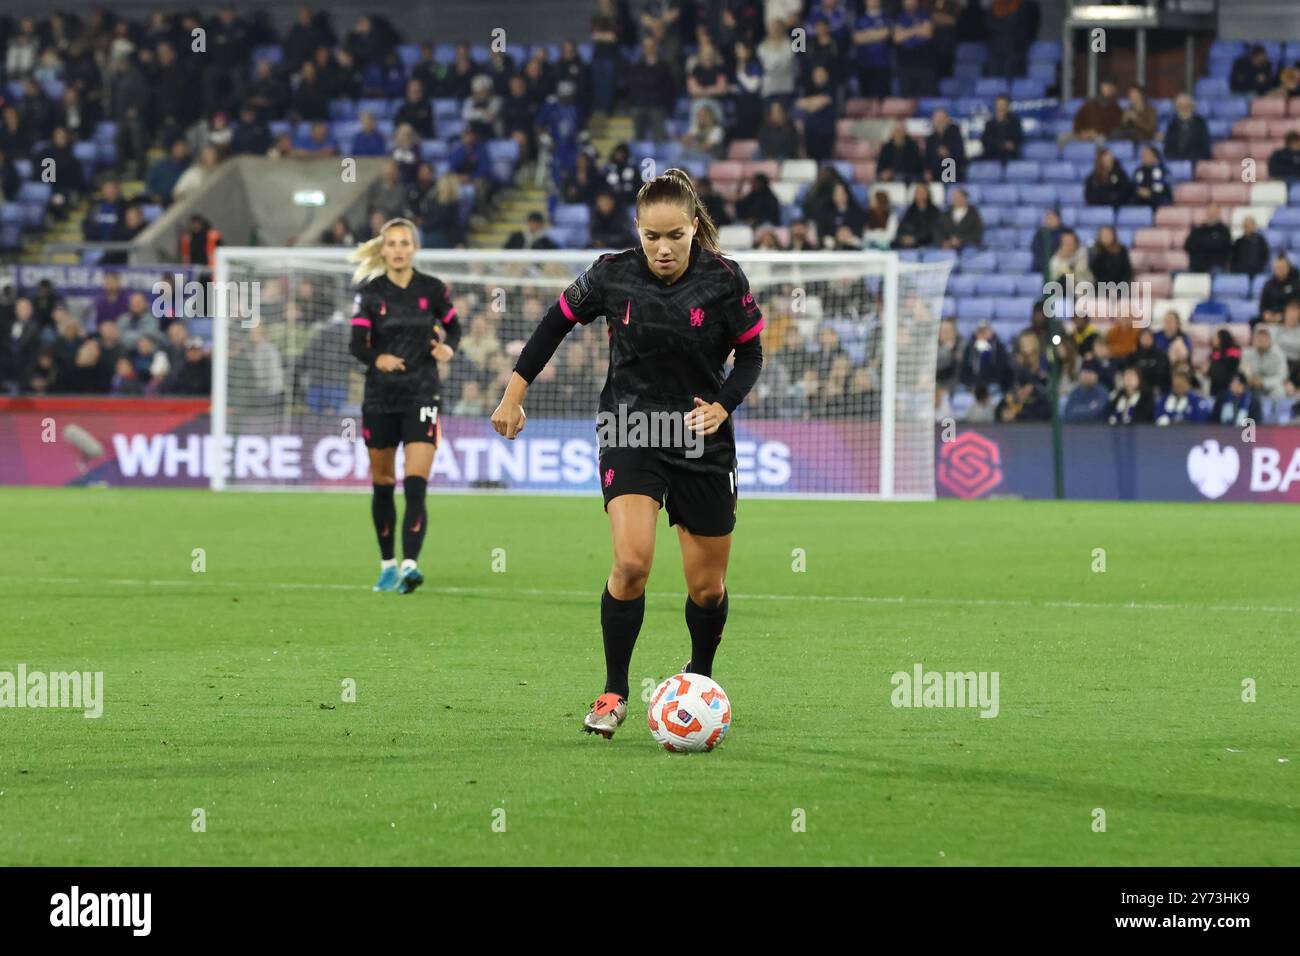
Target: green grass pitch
(1119, 690)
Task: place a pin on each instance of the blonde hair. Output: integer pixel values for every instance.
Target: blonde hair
(676, 186)
(369, 254)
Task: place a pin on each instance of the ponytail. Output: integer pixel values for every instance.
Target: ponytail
(369, 254)
(676, 186)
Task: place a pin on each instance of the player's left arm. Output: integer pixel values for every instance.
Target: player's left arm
(744, 323)
(444, 315)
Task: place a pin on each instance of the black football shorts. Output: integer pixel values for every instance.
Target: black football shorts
(389, 429)
(701, 502)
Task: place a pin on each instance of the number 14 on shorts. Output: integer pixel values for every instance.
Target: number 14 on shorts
(429, 413)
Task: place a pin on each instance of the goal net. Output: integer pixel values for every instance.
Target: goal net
(844, 405)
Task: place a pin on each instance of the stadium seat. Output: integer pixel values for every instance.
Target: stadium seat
(984, 171)
(1211, 86)
(1192, 285)
(1263, 216)
(1263, 107)
(975, 309)
(1155, 238)
(736, 236)
(1137, 217)
(1062, 172)
(1228, 286)
(1042, 151)
(1268, 194)
(1192, 194)
(1175, 217)
(1229, 194)
(1022, 171)
(1160, 283)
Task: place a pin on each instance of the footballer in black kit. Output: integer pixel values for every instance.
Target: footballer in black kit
(403, 323)
(675, 309)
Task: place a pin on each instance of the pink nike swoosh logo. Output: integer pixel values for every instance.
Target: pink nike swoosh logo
(628, 314)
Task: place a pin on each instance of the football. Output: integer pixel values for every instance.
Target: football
(689, 713)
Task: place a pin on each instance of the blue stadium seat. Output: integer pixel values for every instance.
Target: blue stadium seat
(1242, 310)
(963, 284)
(951, 88)
(975, 309)
(1060, 172)
(991, 86)
(1293, 194)
(1016, 262)
(1079, 152)
(1036, 194)
(1027, 217)
(992, 218)
(1220, 69)
(1012, 309)
(972, 53)
(1139, 217)
(1230, 109)
(909, 255)
(1028, 88)
(967, 71)
(1043, 72)
(1211, 86)
(967, 106)
(1000, 194)
(1045, 51)
(1210, 311)
(35, 191)
(1219, 128)
(977, 261)
(1227, 49)
(1276, 238)
(444, 53)
(938, 255)
(1022, 171)
(1030, 285)
(1041, 150)
(409, 54)
(1226, 286)
(984, 171)
(1285, 217)
(1000, 238)
(1180, 170)
(998, 285)
(1257, 283)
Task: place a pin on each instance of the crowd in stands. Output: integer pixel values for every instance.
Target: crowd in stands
(718, 89)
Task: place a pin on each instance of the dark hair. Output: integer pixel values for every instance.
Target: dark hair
(676, 186)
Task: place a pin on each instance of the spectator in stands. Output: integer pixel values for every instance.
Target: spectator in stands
(1108, 259)
(1285, 162)
(1288, 83)
(1287, 338)
(1238, 404)
(406, 152)
(982, 410)
(1029, 358)
(1100, 116)
(137, 321)
(340, 234)
(1250, 250)
(604, 56)
(922, 223)
(310, 100)
(468, 157)
(1082, 332)
(164, 174)
(1252, 72)
(109, 303)
(441, 223)
(1003, 134)
(1151, 181)
(129, 94)
(369, 141)
(704, 139)
(1225, 359)
(1011, 26)
(818, 199)
(1107, 184)
(198, 245)
(780, 70)
(817, 114)
(1282, 287)
(1101, 360)
(746, 93)
(1121, 338)
(1171, 331)
(125, 381)
(252, 138)
(269, 96)
(482, 110)
(89, 373)
(880, 226)
(777, 137)
(712, 201)
(1151, 360)
(1181, 404)
(945, 151)
(1069, 260)
(1186, 135)
(105, 220)
(534, 237)
(621, 176)
(14, 136)
(900, 158)
(23, 50)
(913, 33)
(387, 195)
(110, 342)
(609, 226)
(1131, 403)
(843, 221)
(319, 143)
(951, 346)
(1209, 244)
(1025, 401)
(582, 181)
(707, 83)
(985, 361)
(651, 90)
(194, 374)
(1047, 239)
(759, 205)
(1138, 121)
(963, 227)
(197, 176)
(10, 182)
(1264, 366)
(871, 42)
(1089, 400)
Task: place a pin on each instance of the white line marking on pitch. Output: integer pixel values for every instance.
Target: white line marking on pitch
(561, 592)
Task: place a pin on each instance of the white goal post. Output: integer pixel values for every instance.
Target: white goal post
(844, 406)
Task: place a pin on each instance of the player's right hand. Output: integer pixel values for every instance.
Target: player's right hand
(390, 363)
(509, 419)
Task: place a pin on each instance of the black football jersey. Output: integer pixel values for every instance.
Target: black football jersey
(668, 343)
(404, 322)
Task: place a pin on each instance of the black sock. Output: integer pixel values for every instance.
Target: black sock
(705, 625)
(620, 623)
(413, 522)
(384, 513)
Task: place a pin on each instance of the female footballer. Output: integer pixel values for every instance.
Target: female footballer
(403, 322)
(675, 309)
